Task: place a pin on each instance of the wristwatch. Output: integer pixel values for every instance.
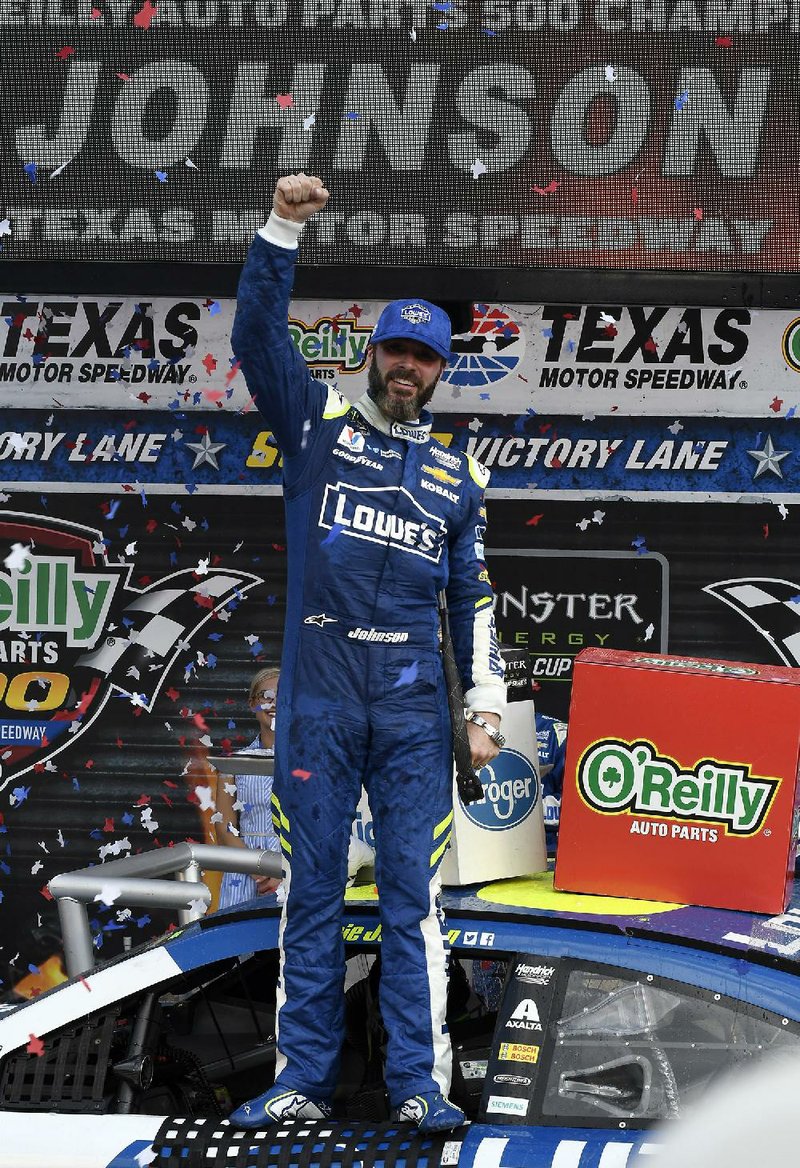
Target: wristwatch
(497, 738)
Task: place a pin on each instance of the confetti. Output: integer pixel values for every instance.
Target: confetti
(284, 100)
(188, 163)
(5, 227)
(776, 405)
(408, 675)
(724, 42)
(309, 122)
(144, 17)
(65, 53)
(698, 214)
(123, 76)
(18, 557)
(682, 100)
(304, 776)
(534, 520)
(550, 189)
(477, 168)
(161, 175)
(55, 173)
(334, 532)
(611, 74)
(35, 1045)
(30, 170)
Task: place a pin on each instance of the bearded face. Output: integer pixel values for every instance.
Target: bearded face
(402, 377)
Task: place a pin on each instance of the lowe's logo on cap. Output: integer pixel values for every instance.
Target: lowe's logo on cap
(510, 792)
(419, 321)
(415, 313)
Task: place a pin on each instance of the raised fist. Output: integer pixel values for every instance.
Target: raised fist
(299, 196)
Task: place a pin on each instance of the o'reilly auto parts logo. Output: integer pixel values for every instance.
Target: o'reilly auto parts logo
(332, 342)
(790, 345)
(615, 776)
(73, 631)
(510, 792)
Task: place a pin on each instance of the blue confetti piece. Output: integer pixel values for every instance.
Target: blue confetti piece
(33, 969)
(214, 308)
(256, 649)
(30, 170)
(231, 724)
(352, 115)
(548, 332)
(142, 921)
(127, 818)
(332, 534)
(211, 661)
(75, 784)
(113, 508)
(484, 396)
(490, 32)
(161, 175)
(443, 26)
(682, 101)
(153, 364)
(6, 870)
(407, 675)
(215, 636)
(38, 358)
(20, 794)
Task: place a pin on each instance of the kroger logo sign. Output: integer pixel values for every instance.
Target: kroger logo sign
(510, 792)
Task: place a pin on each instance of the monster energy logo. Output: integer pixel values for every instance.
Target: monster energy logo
(616, 776)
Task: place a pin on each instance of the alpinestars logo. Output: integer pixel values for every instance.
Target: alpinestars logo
(73, 631)
(615, 777)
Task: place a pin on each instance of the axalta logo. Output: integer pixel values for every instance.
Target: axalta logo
(510, 792)
(615, 777)
(488, 353)
(525, 1016)
(332, 342)
(372, 513)
(73, 631)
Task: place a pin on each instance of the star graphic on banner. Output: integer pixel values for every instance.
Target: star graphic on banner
(206, 451)
(768, 459)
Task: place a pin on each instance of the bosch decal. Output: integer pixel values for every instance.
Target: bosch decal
(510, 792)
(615, 776)
(73, 631)
(518, 1052)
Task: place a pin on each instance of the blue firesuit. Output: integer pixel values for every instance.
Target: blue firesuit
(379, 516)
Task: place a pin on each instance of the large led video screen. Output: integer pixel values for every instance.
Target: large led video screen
(628, 134)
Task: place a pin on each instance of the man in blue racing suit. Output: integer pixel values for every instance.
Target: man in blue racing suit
(379, 517)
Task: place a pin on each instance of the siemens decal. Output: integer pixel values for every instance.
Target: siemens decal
(510, 792)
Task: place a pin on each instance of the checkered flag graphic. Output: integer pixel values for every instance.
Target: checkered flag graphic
(158, 625)
(771, 606)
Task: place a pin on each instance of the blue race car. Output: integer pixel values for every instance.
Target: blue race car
(577, 1023)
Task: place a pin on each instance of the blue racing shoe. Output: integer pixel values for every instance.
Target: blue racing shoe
(278, 1105)
(431, 1112)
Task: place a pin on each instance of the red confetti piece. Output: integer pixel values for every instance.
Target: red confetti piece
(534, 520)
(776, 405)
(109, 825)
(724, 42)
(650, 345)
(144, 17)
(142, 801)
(609, 331)
(550, 189)
(765, 530)
(89, 764)
(172, 693)
(96, 14)
(65, 53)
(35, 1046)
(85, 984)
(144, 397)
(232, 373)
(634, 195)
(285, 100)
(45, 892)
(698, 213)
(150, 526)
(120, 743)
(303, 775)
(355, 310)
(210, 363)
(123, 76)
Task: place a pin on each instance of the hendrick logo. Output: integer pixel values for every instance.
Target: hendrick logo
(615, 776)
(73, 631)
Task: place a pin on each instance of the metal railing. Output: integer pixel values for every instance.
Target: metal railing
(135, 882)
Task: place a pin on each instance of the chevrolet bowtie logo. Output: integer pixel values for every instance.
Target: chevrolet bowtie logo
(442, 475)
(320, 619)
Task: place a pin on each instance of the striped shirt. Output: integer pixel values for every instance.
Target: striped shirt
(255, 827)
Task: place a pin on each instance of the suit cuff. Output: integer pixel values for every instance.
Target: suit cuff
(486, 698)
(282, 232)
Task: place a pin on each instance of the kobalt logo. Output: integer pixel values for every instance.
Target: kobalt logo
(437, 489)
(525, 1016)
(74, 603)
(510, 792)
(615, 776)
(370, 513)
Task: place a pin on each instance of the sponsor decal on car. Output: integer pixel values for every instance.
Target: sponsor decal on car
(507, 1105)
(534, 974)
(525, 1016)
(518, 1052)
(514, 1080)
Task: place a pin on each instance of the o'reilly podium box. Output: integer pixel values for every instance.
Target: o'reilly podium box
(681, 780)
(502, 835)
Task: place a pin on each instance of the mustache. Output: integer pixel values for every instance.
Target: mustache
(404, 375)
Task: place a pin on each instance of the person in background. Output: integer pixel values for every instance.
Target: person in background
(243, 804)
(551, 739)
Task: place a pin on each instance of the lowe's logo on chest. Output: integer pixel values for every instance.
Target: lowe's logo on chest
(371, 513)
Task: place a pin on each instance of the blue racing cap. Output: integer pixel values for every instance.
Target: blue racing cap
(414, 320)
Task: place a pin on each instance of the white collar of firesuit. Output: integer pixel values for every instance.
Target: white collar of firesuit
(419, 431)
